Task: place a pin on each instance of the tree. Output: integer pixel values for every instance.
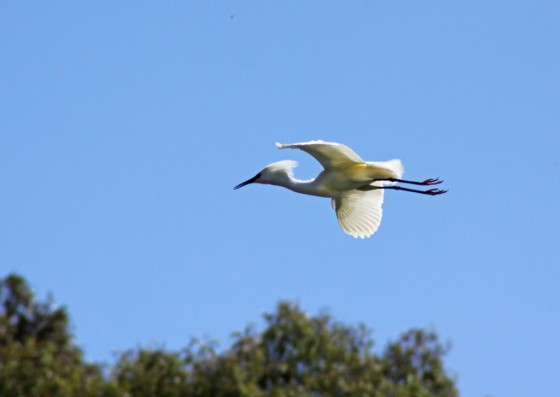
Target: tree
(37, 357)
(414, 365)
(151, 373)
(294, 355)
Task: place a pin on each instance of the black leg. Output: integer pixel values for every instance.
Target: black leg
(430, 192)
(426, 182)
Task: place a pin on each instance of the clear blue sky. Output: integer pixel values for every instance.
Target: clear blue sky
(124, 127)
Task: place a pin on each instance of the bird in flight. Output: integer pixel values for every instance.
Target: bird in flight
(355, 186)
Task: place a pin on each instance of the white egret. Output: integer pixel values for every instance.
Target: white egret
(355, 186)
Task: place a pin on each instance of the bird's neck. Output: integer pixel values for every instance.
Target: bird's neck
(299, 186)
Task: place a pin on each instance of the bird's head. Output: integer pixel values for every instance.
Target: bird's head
(272, 174)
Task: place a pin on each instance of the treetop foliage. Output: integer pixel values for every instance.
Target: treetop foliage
(294, 355)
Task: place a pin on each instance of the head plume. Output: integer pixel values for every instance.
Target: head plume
(280, 167)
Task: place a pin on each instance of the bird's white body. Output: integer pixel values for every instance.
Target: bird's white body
(355, 186)
(333, 181)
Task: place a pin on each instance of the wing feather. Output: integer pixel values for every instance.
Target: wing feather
(329, 154)
(359, 213)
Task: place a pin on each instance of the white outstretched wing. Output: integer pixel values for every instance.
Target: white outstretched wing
(329, 154)
(358, 212)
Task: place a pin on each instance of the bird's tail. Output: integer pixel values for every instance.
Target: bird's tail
(396, 167)
(387, 169)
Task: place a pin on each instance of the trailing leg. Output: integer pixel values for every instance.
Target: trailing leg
(426, 182)
(430, 192)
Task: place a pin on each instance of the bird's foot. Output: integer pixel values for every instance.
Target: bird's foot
(431, 181)
(435, 192)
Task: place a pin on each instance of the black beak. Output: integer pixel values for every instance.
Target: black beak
(248, 181)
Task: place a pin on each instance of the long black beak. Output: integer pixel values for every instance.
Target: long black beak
(248, 181)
